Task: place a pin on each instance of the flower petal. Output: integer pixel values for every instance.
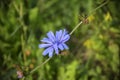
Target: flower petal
(56, 48)
(51, 53)
(58, 34)
(51, 36)
(66, 38)
(46, 40)
(61, 47)
(44, 45)
(65, 46)
(46, 51)
(63, 35)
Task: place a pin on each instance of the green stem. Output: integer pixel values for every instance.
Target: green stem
(39, 66)
(98, 7)
(88, 16)
(76, 27)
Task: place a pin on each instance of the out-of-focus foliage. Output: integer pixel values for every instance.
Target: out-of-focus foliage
(94, 47)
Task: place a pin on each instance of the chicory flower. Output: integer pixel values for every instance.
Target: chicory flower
(55, 43)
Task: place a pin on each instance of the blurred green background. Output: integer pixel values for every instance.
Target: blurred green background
(94, 47)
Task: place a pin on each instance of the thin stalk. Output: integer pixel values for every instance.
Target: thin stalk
(23, 26)
(23, 33)
(88, 16)
(39, 66)
(94, 10)
(76, 27)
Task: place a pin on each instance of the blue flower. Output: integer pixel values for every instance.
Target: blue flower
(54, 43)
